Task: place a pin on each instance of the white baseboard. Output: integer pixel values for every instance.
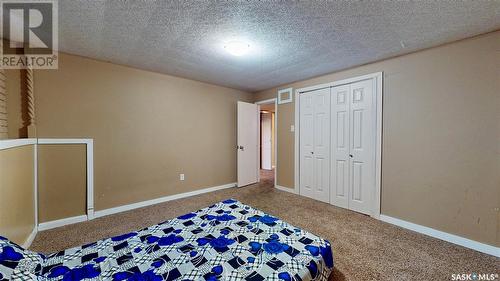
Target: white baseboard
(31, 237)
(124, 208)
(455, 239)
(62, 222)
(287, 189)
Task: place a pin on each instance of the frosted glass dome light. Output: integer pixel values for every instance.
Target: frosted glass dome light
(237, 48)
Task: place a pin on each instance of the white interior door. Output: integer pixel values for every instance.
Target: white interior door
(362, 146)
(248, 143)
(315, 144)
(266, 138)
(339, 195)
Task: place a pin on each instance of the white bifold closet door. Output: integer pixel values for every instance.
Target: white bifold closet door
(353, 146)
(315, 144)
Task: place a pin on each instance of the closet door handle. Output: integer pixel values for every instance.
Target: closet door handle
(350, 155)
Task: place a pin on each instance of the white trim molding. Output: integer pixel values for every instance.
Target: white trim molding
(35, 183)
(62, 222)
(273, 100)
(286, 189)
(64, 141)
(90, 167)
(90, 178)
(296, 132)
(31, 237)
(129, 207)
(11, 143)
(455, 239)
(378, 80)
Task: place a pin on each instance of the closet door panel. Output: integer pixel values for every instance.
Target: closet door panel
(306, 144)
(322, 144)
(362, 154)
(340, 146)
(315, 144)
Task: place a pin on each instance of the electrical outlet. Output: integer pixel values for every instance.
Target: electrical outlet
(292, 128)
(181, 177)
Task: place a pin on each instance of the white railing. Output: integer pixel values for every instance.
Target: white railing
(90, 170)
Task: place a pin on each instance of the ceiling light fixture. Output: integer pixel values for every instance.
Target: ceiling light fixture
(237, 48)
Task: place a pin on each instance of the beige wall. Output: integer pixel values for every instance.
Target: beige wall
(17, 215)
(147, 127)
(441, 136)
(62, 181)
(15, 112)
(14, 104)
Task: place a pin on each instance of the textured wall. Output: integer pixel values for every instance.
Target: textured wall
(17, 214)
(62, 181)
(147, 127)
(4, 134)
(14, 104)
(441, 136)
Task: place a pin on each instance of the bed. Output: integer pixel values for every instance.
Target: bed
(226, 241)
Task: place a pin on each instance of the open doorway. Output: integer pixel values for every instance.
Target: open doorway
(267, 140)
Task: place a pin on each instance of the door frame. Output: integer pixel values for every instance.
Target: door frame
(378, 79)
(268, 101)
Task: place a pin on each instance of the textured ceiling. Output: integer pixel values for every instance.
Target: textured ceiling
(289, 41)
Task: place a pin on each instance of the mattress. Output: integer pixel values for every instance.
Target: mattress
(226, 241)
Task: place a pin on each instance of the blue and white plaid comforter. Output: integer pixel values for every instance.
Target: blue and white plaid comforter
(226, 241)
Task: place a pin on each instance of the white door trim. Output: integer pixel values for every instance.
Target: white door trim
(275, 101)
(90, 167)
(35, 185)
(377, 76)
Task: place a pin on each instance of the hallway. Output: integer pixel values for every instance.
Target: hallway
(267, 177)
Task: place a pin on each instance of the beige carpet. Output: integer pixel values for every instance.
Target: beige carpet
(363, 248)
